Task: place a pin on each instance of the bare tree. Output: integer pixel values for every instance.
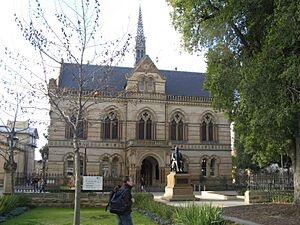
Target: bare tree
(15, 107)
(71, 37)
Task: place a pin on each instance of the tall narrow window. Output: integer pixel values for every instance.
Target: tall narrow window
(115, 168)
(203, 167)
(141, 128)
(210, 131)
(173, 130)
(213, 167)
(105, 167)
(207, 128)
(141, 84)
(145, 126)
(107, 128)
(150, 85)
(115, 126)
(203, 131)
(177, 125)
(111, 126)
(148, 129)
(69, 167)
(81, 128)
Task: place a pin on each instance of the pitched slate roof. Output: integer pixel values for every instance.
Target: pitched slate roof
(178, 83)
(29, 130)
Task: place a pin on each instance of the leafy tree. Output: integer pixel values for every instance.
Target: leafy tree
(252, 69)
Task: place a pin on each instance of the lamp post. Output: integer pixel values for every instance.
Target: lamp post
(10, 166)
(85, 161)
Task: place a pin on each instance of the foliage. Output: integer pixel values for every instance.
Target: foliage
(10, 202)
(146, 202)
(253, 74)
(198, 215)
(63, 216)
(189, 214)
(282, 198)
(242, 160)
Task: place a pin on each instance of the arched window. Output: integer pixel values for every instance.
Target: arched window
(207, 128)
(111, 126)
(145, 127)
(115, 168)
(81, 129)
(203, 167)
(70, 166)
(213, 167)
(177, 128)
(105, 168)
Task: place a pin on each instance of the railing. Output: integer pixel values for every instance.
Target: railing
(37, 182)
(273, 181)
(139, 95)
(265, 181)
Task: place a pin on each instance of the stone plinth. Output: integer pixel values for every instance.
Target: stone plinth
(178, 187)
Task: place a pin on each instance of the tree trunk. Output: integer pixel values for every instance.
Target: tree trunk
(297, 172)
(76, 220)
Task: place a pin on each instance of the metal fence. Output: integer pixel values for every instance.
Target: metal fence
(265, 181)
(52, 182)
(271, 181)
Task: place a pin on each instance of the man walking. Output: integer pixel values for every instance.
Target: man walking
(125, 218)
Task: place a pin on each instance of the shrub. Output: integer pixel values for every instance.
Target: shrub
(146, 202)
(10, 202)
(282, 198)
(198, 215)
(191, 214)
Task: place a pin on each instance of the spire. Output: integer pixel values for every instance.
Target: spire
(140, 45)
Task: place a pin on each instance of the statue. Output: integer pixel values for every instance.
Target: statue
(176, 161)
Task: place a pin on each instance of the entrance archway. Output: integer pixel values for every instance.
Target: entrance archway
(150, 171)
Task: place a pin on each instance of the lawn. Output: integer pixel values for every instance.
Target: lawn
(63, 216)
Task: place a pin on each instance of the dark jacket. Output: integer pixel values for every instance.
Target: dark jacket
(127, 198)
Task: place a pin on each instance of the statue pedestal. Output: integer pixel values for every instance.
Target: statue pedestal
(178, 187)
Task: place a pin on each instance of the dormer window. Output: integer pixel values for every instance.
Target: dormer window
(150, 85)
(146, 84)
(142, 84)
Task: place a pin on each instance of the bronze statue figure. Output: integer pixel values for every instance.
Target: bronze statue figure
(176, 161)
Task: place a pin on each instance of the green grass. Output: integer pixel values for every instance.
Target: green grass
(64, 216)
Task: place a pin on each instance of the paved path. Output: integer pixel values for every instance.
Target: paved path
(203, 200)
(208, 200)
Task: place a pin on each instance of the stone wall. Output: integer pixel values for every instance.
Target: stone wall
(66, 199)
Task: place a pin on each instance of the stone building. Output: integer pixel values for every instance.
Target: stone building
(24, 152)
(132, 132)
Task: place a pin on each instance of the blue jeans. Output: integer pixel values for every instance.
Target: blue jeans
(125, 219)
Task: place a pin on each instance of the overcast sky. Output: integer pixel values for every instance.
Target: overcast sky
(117, 17)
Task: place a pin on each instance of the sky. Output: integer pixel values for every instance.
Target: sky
(117, 18)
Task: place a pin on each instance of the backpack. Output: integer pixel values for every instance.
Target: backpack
(115, 203)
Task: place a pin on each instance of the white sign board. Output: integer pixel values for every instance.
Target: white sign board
(92, 183)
